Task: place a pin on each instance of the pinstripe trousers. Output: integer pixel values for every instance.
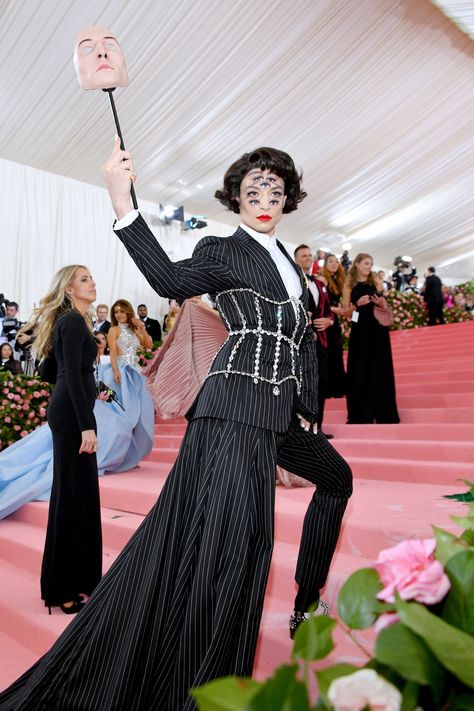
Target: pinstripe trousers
(183, 601)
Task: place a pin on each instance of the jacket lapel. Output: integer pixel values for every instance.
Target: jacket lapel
(266, 266)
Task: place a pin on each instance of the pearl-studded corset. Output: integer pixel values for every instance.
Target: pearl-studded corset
(128, 344)
(264, 338)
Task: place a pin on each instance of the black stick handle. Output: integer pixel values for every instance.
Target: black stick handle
(122, 145)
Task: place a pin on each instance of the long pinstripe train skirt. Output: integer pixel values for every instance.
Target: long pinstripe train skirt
(182, 603)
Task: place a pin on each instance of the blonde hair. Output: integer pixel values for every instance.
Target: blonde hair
(334, 281)
(54, 303)
(352, 275)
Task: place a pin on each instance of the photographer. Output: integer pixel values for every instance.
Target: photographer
(10, 324)
(404, 272)
(24, 341)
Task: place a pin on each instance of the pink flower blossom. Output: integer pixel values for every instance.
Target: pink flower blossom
(16, 428)
(411, 569)
(31, 415)
(8, 420)
(26, 406)
(42, 411)
(36, 394)
(10, 396)
(23, 433)
(30, 382)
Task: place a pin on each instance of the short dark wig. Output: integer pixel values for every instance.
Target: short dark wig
(272, 159)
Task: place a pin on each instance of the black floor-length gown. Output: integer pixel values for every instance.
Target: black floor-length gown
(336, 371)
(370, 379)
(72, 561)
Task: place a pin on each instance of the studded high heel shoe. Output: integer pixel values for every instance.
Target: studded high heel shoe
(297, 617)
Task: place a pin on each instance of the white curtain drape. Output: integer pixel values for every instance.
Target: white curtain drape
(49, 221)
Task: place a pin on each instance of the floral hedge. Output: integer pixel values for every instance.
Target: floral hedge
(146, 354)
(418, 599)
(23, 401)
(409, 311)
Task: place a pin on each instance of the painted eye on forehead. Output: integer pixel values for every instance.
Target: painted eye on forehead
(264, 181)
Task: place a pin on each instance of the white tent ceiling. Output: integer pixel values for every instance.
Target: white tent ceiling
(372, 98)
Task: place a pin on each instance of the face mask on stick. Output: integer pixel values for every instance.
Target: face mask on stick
(100, 64)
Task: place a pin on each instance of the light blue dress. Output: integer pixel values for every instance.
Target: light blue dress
(123, 438)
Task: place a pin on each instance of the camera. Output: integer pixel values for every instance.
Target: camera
(101, 387)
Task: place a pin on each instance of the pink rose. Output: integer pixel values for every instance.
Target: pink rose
(36, 394)
(42, 411)
(16, 428)
(10, 396)
(411, 569)
(26, 406)
(23, 433)
(8, 419)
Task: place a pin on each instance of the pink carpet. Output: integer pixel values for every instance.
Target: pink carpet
(401, 473)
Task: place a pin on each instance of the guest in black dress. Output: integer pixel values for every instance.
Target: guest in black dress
(72, 561)
(335, 276)
(183, 601)
(370, 379)
(7, 361)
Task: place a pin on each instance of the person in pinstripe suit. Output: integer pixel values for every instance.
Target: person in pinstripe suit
(183, 601)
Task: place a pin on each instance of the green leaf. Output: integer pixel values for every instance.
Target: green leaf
(313, 639)
(464, 498)
(459, 607)
(447, 545)
(406, 653)
(467, 496)
(465, 521)
(357, 602)
(282, 692)
(468, 537)
(411, 692)
(461, 702)
(453, 648)
(228, 694)
(326, 676)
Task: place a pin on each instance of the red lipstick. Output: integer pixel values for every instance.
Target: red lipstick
(264, 218)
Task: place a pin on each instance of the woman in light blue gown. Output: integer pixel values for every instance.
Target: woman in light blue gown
(124, 438)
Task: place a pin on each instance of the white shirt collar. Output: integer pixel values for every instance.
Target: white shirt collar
(264, 240)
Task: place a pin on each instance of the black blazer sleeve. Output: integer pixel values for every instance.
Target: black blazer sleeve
(306, 403)
(205, 271)
(72, 334)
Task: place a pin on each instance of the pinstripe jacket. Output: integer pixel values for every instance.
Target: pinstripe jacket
(266, 369)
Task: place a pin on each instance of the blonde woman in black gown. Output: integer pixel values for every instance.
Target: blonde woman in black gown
(370, 379)
(72, 561)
